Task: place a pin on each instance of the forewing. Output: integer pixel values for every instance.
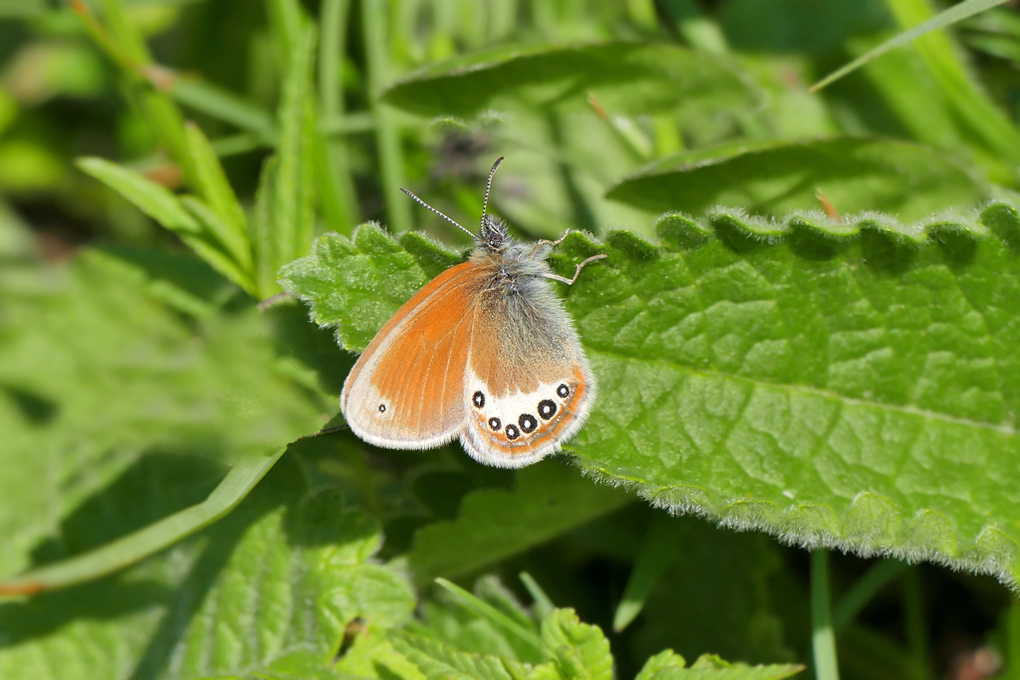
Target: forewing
(406, 391)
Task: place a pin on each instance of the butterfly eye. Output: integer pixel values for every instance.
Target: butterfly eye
(563, 391)
(527, 422)
(495, 424)
(478, 399)
(382, 408)
(547, 408)
(512, 432)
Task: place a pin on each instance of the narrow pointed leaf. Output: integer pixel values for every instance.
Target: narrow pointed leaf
(624, 77)
(945, 18)
(210, 244)
(217, 192)
(153, 199)
(777, 177)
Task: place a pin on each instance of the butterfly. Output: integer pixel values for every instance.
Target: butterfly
(485, 352)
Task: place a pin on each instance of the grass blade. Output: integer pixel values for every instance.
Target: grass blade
(489, 612)
(657, 550)
(941, 20)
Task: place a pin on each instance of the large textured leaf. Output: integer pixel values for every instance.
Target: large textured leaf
(852, 385)
(267, 593)
(100, 368)
(625, 77)
(775, 178)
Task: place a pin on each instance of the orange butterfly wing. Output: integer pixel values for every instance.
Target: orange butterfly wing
(406, 391)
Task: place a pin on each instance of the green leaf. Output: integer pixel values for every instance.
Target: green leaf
(947, 17)
(667, 659)
(263, 236)
(215, 102)
(509, 623)
(777, 177)
(217, 192)
(577, 650)
(489, 621)
(373, 656)
(153, 199)
(710, 667)
(209, 245)
(494, 523)
(356, 284)
(195, 223)
(729, 585)
(293, 204)
(624, 77)
(849, 385)
(148, 541)
(440, 662)
(97, 372)
(268, 592)
(657, 550)
(962, 90)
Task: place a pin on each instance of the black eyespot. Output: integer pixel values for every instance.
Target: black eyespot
(495, 424)
(382, 408)
(547, 408)
(512, 432)
(527, 422)
(478, 399)
(563, 390)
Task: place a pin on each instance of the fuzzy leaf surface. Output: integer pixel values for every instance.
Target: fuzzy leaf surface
(851, 385)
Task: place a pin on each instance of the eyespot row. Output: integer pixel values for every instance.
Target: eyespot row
(526, 422)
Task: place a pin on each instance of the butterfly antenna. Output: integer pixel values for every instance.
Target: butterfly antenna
(488, 186)
(443, 215)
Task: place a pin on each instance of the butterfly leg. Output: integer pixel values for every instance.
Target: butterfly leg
(577, 272)
(547, 242)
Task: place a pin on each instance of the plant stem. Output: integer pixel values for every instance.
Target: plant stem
(917, 630)
(391, 167)
(823, 638)
(337, 195)
(863, 590)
